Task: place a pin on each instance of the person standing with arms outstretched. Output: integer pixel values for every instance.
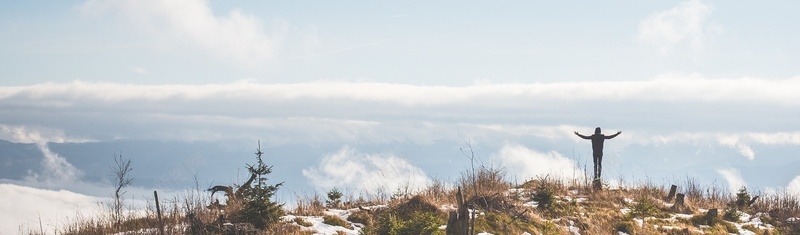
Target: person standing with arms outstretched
(597, 148)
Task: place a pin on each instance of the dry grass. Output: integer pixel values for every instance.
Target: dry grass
(309, 206)
(335, 221)
(781, 206)
(439, 192)
(302, 222)
(286, 229)
(602, 211)
(504, 212)
(709, 196)
(144, 221)
(484, 181)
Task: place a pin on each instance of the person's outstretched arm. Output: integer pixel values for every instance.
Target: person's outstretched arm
(614, 135)
(582, 136)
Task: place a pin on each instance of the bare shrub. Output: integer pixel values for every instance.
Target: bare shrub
(309, 206)
(438, 191)
(121, 173)
(485, 181)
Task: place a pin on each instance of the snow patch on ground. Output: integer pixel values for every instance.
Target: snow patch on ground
(572, 229)
(752, 220)
(574, 191)
(625, 210)
(320, 228)
(531, 204)
(448, 207)
(681, 216)
(628, 200)
(639, 222)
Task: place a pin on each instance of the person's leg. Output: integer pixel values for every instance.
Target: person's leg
(596, 161)
(599, 165)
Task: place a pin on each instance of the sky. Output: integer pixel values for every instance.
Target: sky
(381, 95)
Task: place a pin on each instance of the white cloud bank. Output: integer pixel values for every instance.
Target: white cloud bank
(237, 35)
(740, 142)
(22, 207)
(733, 141)
(685, 23)
(734, 179)
(351, 113)
(523, 162)
(36, 134)
(348, 168)
(793, 187)
(663, 88)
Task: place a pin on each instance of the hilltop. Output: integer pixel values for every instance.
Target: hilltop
(494, 205)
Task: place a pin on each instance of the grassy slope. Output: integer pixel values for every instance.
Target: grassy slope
(539, 206)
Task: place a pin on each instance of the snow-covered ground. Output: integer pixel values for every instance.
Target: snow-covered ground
(319, 227)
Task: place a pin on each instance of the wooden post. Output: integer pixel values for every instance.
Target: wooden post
(679, 200)
(671, 194)
(158, 212)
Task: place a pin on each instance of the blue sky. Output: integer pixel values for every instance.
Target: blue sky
(447, 43)
(391, 91)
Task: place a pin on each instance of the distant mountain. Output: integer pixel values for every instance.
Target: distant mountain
(177, 165)
(17, 159)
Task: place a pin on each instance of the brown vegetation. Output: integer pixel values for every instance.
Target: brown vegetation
(537, 206)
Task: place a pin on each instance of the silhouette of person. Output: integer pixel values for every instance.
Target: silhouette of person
(597, 148)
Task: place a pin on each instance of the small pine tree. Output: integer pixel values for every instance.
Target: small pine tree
(259, 209)
(545, 195)
(735, 208)
(742, 199)
(334, 198)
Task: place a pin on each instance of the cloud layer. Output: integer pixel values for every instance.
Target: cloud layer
(664, 88)
(669, 110)
(708, 111)
(36, 134)
(350, 169)
(685, 23)
(237, 35)
(525, 163)
(54, 208)
(733, 178)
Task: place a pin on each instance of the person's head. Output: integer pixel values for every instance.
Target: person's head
(597, 130)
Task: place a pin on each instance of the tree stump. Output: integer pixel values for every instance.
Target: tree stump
(711, 216)
(712, 213)
(458, 221)
(680, 206)
(597, 184)
(671, 194)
